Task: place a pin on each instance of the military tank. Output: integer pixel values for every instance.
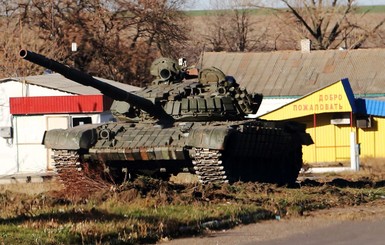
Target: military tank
(182, 121)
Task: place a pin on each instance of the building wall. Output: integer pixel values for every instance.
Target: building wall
(271, 104)
(316, 110)
(29, 153)
(24, 152)
(372, 140)
(12, 160)
(18, 89)
(331, 142)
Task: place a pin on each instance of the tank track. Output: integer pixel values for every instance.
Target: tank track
(208, 166)
(75, 175)
(67, 164)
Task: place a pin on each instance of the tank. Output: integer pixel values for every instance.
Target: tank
(184, 121)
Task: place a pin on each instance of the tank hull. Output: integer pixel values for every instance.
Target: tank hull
(249, 150)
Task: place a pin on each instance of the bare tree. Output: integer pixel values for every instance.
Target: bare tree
(215, 28)
(117, 39)
(231, 27)
(328, 24)
(156, 28)
(238, 30)
(10, 38)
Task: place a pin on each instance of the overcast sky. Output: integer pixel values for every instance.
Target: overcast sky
(204, 4)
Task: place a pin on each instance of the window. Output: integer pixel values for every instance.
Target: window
(81, 120)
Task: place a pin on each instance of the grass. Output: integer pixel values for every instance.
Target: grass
(197, 13)
(148, 210)
(136, 224)
(372, 9)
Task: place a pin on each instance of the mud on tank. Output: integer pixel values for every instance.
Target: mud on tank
(184, 120)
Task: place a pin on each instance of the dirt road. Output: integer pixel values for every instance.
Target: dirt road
(351, 225)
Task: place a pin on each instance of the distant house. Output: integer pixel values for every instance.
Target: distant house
(29, 106)
(283, 76)
(338, 94)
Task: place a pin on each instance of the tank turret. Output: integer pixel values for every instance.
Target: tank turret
(172, 96)
(191, 95)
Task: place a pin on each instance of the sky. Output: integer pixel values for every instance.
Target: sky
(204, 4)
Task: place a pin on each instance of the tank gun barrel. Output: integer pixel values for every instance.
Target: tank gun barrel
(105, 88)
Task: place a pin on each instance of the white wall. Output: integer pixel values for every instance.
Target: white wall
(9, 155)
(28, 134)
(24, 152)
(269, 105)
(18, 89)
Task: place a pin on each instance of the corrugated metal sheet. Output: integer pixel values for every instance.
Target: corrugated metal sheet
(292, 73)
(368, 143)
(331, 142)
(371, 107)
(59, 104)
(58, 82)
(372, 140)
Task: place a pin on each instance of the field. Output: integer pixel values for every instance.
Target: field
(148, 210)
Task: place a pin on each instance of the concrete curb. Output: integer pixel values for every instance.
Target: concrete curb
(35, 177)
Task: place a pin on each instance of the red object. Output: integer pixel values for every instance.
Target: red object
(59, 104)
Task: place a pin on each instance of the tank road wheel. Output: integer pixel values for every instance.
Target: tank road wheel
(208, 166)
(165, 176)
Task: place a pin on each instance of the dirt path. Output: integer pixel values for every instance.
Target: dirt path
(351, 225)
